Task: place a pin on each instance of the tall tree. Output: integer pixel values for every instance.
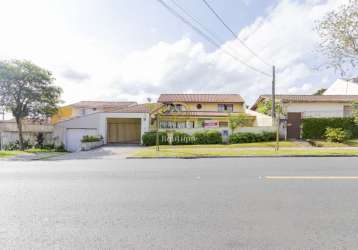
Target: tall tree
(338, 31)
(27, 90)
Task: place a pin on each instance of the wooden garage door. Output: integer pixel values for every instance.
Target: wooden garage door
(123, 131)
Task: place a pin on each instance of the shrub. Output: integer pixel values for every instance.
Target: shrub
(180, 138)
(335, 135)
(214, 137)
(315, 128)
(208, 137)
(40, 140)
(149, 138)
(91, 138)
(60, 148)
(16, 145)
(252, 137)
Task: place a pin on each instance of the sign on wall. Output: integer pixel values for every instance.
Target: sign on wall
(211, 124)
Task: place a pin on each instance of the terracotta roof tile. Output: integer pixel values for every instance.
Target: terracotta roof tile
(139, 108)
(216, 98)
(309, 98)
(102, 104)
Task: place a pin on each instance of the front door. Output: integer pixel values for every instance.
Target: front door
(294, 125)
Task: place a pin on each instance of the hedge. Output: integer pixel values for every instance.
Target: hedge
(180, 138)
(208, 137)
(252, 137)
(315, 128)
(149, 138)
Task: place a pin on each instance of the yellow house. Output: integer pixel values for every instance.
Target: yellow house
(85, 108)
(198, 111)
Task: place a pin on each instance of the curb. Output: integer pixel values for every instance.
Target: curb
(243, 156)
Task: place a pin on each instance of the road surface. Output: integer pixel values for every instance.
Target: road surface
(262, 203)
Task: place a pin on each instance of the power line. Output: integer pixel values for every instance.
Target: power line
(233, 33)
(209, 39)
(214, 35)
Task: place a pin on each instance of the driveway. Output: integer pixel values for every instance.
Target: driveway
(106, 153)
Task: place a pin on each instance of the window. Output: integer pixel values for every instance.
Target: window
(176, 107)
(348, 111)
(198, 106)
(225, 107)
(223, 124)
(172, 125)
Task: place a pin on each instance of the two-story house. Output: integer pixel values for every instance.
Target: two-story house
(191, 112)
(87, 107)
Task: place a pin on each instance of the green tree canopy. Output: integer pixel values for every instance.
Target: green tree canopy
(338, 31)
(320, 91)
(27, 90)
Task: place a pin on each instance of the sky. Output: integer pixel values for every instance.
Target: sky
(136, 49)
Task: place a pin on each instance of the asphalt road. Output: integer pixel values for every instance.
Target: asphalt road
(179, 204)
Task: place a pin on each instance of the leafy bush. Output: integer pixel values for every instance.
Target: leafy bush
(180, 138)
(149, 138)
(335, 135)
(40, 140)
(214, 137)
(252, 137)
(16, 145)
(208, 137)
(91, 138)
(315, 128)
(60, 148)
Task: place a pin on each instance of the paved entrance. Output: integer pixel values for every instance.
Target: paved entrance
(108, 152)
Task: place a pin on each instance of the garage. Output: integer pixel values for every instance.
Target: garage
(123, 130)
(74, 137)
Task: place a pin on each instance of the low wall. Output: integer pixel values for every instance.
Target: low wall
(86, 146)
(11, 137)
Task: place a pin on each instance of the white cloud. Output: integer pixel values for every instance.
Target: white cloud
(285, 37)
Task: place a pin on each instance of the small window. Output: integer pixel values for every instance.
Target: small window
(225, 107)
(223, 124)
(348, 111)
(198, 106)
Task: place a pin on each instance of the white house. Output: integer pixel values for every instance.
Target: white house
(297, 107)
(343, 87)
(125, 125)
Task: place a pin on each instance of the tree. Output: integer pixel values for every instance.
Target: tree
(265, 107)
(27, 90)
(239, 121)
(355, 112)
(338, 32)
(320, 91)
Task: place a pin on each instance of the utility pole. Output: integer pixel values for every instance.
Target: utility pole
(275, 117)
(157, 134)
(273, 112)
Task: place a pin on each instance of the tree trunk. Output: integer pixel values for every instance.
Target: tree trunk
(19, 127)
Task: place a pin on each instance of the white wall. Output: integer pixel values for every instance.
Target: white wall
(261, 120)
(316, 109)
(97, 121)
(342, 87)
(103, 121)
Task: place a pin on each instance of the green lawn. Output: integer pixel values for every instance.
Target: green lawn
(324, 144)
(230, 151)
(4, 154)
(241, 145)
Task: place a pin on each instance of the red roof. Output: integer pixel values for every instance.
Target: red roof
(102, 104)
(204, 98)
